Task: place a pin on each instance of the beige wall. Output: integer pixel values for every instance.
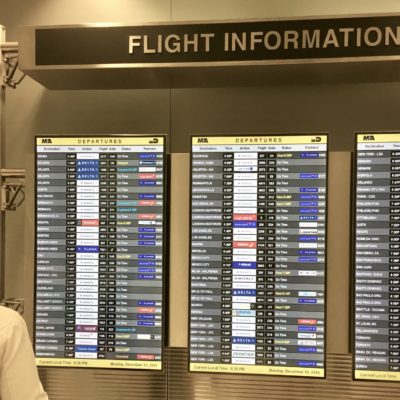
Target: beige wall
(31, 109)
(340, 108)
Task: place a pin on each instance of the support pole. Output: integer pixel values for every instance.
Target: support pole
(2, 159)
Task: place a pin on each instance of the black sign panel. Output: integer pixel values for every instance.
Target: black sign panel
(377, 258)
(258, 234)
(99, 251)
(220, 42)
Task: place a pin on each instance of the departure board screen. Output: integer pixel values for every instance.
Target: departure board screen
(377, 258)
(99, 251)
(257, 274)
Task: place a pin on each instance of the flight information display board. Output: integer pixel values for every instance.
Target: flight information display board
(377, 258)
(258, 234)
(100, 251)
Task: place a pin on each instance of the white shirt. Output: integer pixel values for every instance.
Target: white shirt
(19, 379)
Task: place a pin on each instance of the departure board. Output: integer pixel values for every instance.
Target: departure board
(257, 273)
(99, 251)
(377, 258)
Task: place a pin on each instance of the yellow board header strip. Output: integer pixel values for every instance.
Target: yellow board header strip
(95, 363)
(377, 375)
(100, 141)
(378, 137)
(258, 369)
(259, 140)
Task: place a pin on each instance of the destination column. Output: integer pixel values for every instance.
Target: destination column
(52, 332)
(210, 270)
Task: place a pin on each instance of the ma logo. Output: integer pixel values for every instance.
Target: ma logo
(369, 137)
(316, 140)
(48, 141)
(153, 141)
(202, 140)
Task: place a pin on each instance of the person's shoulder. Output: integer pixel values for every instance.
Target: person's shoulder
(9, 318)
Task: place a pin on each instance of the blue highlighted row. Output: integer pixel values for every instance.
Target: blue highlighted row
(308, 252)
(307, 301)
(147, 155)
(309, 190)
(146, 323)
(147, 196)
(88, 170)
(244, 292)
(87, 249)
(146, 277)
(86, 349)
(309, 155)
(308, 259)
(309, 176)
(243, 340)
(309, 196)
(147, 263)
(86, 163)
(148, 256)
(146, 236)
(309, 204)
(146, 316)
(308, 210)
(146, 270)
(304, 328)
(147, 243)
(308, 217)
(147, 183)
(147, 303)
(147, 163)
(307, 349)
(308, 238)
(244, 224)
(147, 229)
(244, 265)
(87, 177)
(307, 363)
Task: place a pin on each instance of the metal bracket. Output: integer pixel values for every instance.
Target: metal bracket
(9, 64)
(12, 191)
(17, 304)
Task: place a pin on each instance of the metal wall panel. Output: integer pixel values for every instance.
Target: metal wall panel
(175, 383)
(337, 386)
(66, 384)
